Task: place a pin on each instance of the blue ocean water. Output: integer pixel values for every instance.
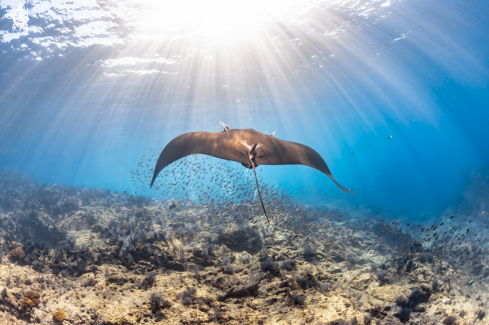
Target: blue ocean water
(393, 94)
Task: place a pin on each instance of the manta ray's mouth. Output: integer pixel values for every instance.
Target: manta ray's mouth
(249, 166)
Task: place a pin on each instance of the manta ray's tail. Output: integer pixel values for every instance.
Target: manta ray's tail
(259, 193)
(251, 157)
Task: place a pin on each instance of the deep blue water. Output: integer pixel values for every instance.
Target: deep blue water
(87, 89)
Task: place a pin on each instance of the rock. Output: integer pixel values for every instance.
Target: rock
(387, 293)
(362, 282)
(420, 295)
(117, 278)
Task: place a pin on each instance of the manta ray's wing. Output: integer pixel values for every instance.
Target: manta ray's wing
(219, 145)
(278, 152)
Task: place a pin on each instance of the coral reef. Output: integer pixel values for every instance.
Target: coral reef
(113, 258)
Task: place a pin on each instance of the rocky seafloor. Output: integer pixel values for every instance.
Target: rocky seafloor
(72, 255)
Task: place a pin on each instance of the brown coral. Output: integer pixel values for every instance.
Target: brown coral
(59, 316)
(31, 299)
(28, 303)
(16, 253)
(32, 294)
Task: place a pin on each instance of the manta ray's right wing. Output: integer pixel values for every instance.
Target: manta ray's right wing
(278, 152)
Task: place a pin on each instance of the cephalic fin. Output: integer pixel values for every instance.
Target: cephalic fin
(224, 126)
(253, 151)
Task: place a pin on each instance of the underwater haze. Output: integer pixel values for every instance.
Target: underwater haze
(393, 94)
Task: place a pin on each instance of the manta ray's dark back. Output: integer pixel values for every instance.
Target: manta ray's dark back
(246, 146)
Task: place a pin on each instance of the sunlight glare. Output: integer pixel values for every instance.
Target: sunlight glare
(211, 17)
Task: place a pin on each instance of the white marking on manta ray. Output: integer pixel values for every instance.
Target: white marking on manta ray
(244, 143)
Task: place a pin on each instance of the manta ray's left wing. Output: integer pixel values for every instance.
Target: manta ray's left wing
(218, 145)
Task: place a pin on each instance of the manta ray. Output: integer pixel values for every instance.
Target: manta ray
(246, 146)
